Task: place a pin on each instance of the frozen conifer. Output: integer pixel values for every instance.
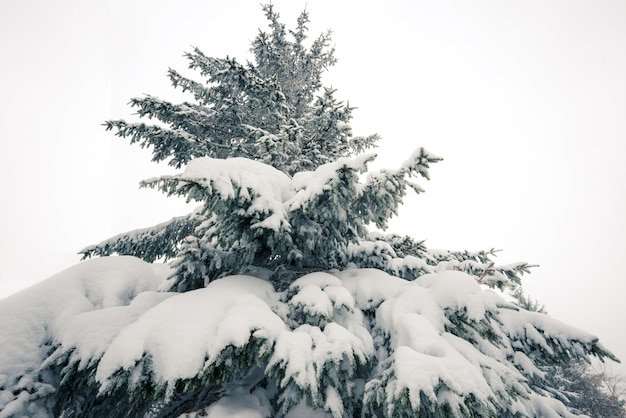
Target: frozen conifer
(277, 298)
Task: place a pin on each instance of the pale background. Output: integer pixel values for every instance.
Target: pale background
(525, 100)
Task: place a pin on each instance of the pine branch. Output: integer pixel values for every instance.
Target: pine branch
(383, 191)
(176, 144)
(160, 241)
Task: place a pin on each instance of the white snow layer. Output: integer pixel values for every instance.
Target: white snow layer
(240, 403)
(83, 306)
(265, 187)
(106, 312)
(189, 328)
(308, 184)
(270, 192)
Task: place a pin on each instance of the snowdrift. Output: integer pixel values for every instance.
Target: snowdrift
(389, 344)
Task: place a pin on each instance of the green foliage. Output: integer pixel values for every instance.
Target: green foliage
(275, 110)
(161, 241)
(269, 109)
(283, 190)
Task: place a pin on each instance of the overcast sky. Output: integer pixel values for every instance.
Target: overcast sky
(525, 101)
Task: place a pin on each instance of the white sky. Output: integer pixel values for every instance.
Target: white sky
(526, 102)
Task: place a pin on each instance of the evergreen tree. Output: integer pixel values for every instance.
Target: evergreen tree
(277, 298)
(275, 110)
(584, 389)
(596, 392)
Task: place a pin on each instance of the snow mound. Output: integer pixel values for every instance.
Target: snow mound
(189, 329)
(79, 309)
(47, 312)
(239, 403)
(389, 345)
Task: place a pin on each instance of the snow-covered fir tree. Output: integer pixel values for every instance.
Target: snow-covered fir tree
(583, 387)
(275, 297)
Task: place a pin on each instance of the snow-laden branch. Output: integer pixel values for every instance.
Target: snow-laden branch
(357, 340)
(150, 244)
(310, 220)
